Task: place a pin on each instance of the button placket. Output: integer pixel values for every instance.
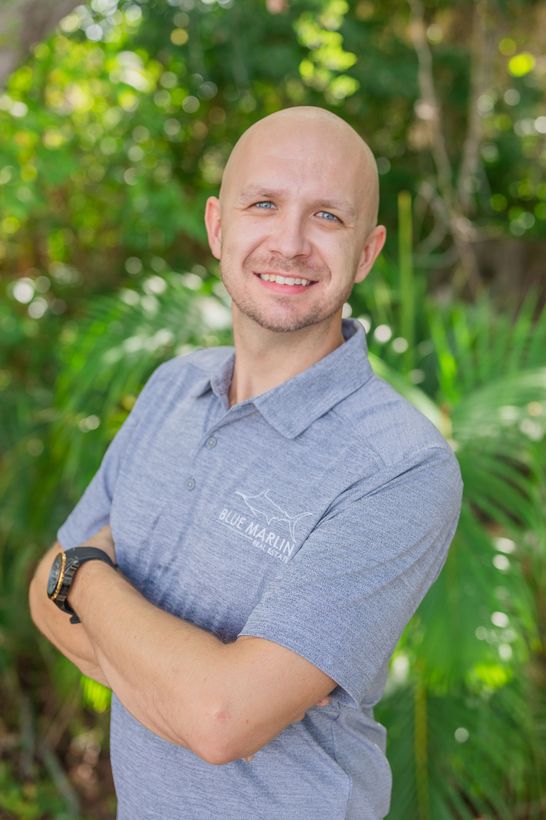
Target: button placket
(190, 483)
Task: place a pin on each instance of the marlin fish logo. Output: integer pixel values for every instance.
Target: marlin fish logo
(262, 504)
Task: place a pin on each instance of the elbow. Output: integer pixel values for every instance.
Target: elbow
(225, 744)
(219, 752)
(216, 743)
(215, 755)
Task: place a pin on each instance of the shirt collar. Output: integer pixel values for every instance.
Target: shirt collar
(296, 403)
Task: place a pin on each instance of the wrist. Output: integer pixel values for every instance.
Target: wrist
(88, 577)
(64, 571)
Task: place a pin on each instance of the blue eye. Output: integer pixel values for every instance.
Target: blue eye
(329, 217)
(265, 204)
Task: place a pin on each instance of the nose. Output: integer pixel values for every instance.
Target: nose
(288, 236)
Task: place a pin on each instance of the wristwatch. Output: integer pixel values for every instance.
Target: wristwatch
(63, 572)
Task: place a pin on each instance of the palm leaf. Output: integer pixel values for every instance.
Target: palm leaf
(110, 355)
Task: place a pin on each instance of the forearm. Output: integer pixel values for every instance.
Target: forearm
(70, 639)
(164, 670)
(222, 701)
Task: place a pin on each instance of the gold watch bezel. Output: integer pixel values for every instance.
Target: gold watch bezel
(60, 579)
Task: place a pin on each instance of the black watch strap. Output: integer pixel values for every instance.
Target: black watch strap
(70, 561)
(84, 554)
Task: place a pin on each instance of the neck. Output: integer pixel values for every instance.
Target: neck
(264, 358)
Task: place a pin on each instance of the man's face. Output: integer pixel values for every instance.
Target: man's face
(293, 207)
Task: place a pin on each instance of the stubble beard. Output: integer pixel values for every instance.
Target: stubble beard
(285, 324)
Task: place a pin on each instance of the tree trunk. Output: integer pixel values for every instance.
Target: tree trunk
(23, 23)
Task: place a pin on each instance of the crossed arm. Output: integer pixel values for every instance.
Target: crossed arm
(221, 701)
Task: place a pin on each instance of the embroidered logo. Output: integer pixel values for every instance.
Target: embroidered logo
(262, 504)
(263, 537)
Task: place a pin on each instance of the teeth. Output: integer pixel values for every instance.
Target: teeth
(283, 280)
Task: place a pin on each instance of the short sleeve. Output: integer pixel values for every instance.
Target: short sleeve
(346, 596)
(93, 509)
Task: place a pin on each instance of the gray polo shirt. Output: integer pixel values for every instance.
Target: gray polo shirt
(315, 515)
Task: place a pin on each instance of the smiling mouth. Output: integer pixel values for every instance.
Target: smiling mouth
(291, 281)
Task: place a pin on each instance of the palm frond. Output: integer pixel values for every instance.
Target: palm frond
(467, 743)
(108, 357)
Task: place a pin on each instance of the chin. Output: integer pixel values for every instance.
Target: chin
(280, 324)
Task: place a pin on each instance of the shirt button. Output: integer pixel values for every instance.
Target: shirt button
(211, 442)
(190, 483)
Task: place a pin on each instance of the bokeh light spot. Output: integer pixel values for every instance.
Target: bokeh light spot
(521, 64)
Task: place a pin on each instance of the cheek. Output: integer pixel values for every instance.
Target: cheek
(242, 240)
(339, 256)
(330, 243)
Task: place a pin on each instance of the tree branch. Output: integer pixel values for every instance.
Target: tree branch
(428, 107)
(23, 24)
(483, 50)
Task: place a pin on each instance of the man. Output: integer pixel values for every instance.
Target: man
(276, 513)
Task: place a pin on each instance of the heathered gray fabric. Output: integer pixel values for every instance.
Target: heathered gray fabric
(315, 515)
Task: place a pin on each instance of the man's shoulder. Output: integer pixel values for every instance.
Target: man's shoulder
(383, 420)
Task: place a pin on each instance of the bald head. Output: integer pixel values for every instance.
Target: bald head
(324, 141)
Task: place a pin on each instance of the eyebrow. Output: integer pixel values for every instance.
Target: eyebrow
(276, 193)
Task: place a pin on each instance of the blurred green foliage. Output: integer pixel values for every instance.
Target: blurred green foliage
(114, 133)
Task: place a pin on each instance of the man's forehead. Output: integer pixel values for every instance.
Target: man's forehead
(308, 168)
(311, 146)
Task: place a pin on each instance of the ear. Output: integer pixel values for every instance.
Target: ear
(370, 251)
(213, 225)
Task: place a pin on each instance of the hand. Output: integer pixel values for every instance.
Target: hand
(324, 702)
(103, 540)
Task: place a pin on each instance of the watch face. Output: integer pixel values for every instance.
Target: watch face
(54, 575)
